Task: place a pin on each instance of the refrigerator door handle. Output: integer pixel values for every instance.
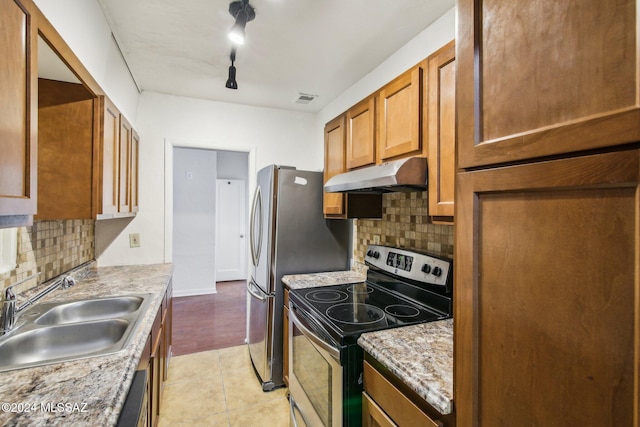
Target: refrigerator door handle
(252, 292)
(256, 209)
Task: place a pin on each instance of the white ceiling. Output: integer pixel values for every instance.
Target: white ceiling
(318, 47)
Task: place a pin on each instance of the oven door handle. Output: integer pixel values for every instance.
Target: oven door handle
(292, 408)
(315, 339)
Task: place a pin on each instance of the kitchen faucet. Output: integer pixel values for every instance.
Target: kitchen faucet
(9, 310)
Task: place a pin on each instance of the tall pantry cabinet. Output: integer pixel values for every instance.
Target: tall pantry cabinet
(547, 314)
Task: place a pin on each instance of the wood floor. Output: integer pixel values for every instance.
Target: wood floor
(210, 322)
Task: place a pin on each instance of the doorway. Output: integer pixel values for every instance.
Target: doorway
(197, 228)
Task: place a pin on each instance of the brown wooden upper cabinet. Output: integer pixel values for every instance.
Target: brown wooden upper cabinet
(361, 134)
(18, 113)
(565, 79)
(399, 109)
(334, 163)
(440, 128)
(338, 205)
(124, 187)
(108, 156)
(116, 161)
(65, 150)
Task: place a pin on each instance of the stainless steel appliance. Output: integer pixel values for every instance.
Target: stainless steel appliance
(325, 362)
(288, 235)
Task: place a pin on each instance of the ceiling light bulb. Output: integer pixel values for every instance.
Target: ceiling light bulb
(236, 34)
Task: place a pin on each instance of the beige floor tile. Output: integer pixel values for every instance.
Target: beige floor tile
(189, 400)
(274, 413)
(216, 420)
(199, 366)
(220, 389)
(234, 358)
(242, 388)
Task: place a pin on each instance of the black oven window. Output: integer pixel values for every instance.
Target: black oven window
(314, 375)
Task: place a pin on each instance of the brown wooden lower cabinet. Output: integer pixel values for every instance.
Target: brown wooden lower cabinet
(547, 318)
(385, 403)
(155, 358)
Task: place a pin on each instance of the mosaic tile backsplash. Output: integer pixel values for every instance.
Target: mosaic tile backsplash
(50, 248)
(405, 223)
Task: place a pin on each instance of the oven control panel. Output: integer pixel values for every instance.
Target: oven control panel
(410, 265)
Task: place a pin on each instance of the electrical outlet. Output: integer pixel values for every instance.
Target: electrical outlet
(134, 240)
(376, 239)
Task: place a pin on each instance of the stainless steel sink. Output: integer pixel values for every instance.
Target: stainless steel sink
(82, 311)
(58, 332)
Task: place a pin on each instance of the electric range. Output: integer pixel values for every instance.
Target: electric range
(402, 288)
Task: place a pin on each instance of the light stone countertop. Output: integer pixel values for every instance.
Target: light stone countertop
(421, 356)
(95, 388)
(313, 280)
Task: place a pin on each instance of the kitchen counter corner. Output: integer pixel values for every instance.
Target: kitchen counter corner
(419, 355)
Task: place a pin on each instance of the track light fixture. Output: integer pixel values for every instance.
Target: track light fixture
(231, 81)
(243, 12)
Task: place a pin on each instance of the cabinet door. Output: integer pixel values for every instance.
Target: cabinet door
(18, 108)
(361, 138)
(65, 150)
(543, 78)
(441, 119)
(334, 163)
(109, 157)
(547, 333)
(124, 180)
(135, 152)
(399, 109)
(372, 415)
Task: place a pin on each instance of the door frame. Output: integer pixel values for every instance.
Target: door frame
(169, 145)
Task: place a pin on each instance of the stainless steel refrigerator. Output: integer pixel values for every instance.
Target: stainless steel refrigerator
(288, 235)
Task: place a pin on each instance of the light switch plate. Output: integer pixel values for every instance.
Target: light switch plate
(134, 240)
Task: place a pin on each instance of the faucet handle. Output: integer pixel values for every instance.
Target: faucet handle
(68, 282)
(9, 294)
(8, 311)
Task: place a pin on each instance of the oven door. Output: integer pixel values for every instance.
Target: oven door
(315, 373)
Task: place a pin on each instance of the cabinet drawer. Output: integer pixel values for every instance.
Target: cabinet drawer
(373, 415)
(395, 404)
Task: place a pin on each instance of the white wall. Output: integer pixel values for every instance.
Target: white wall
(194, 210)
(233, 165)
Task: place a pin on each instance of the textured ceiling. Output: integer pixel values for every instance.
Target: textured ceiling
(318, 47)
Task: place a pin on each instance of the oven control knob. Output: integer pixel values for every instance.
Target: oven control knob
(369, 253)
(437, 271)
(376, 254)
(426, 269)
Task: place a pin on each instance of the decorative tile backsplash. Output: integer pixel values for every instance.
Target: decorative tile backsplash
(405, 223)
(50, 248)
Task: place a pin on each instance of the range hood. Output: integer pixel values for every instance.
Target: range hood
(404, 175)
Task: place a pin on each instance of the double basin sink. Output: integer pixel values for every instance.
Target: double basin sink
(63, 331)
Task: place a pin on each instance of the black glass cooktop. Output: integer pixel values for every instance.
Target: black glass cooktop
(349, 310)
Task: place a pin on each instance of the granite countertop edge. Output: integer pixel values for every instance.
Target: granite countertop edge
(326, 278)
(90, 391)
(419, 355)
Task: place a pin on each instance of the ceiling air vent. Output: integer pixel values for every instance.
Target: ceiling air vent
(305, 98)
